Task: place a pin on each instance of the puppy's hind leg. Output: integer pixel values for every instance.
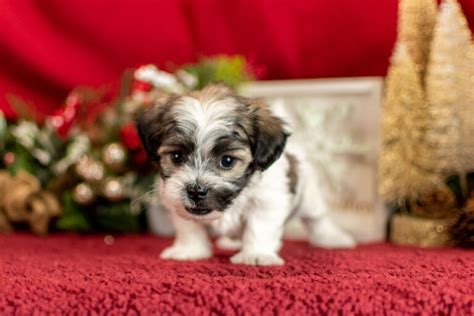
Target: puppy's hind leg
(324, 233)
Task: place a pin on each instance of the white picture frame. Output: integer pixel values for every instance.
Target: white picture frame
(339, 118)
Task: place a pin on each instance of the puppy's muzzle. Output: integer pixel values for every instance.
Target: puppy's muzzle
(196, 192)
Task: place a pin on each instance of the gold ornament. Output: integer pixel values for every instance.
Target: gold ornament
(23, 200)
(5, 226)
(450, 93)
(114, 156)
(113, 189)
(90, 169)
(402, 174)
(4, 181)
(83, 194)
(416, 21)
(418, 231)
(20, 188)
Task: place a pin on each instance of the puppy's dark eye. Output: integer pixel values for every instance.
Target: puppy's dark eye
(177, 157)
(227, 162)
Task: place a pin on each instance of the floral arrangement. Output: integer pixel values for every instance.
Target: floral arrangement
(83, 167)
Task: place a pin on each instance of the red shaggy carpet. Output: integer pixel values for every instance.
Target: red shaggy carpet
(71, 274)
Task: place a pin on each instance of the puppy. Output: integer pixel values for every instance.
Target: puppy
(223, 165)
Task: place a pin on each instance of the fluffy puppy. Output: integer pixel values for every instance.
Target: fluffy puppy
(223, 164)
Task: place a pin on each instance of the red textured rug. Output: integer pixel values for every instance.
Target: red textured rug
(71, 274)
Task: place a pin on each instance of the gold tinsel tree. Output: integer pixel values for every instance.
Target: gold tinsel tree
(401, 175)
(416, 22)
(449, 89)
(440, 123)
(403, 139)
(428, 123)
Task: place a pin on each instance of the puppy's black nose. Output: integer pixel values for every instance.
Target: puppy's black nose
(196, 192)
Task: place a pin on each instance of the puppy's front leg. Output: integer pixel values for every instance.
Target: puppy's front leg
(191, 241)
(261, 241)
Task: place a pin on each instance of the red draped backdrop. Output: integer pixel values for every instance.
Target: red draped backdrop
(49, 46)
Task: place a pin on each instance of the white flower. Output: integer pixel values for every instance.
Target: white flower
(75, 151)
(25, 133)
(158, 78)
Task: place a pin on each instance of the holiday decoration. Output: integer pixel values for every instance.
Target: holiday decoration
(405, 118)
(328, 145)
(438, 204)
(89, 169)
(416, 23)
(114, 156)
(450, 93)
(5, 225)
(23, 201)
(63, 120)
(428, 123)
(411, 230)
(83, 194)
(462, 231)
(113, 189)
(9, 158)
(83, 167)
(232, 71)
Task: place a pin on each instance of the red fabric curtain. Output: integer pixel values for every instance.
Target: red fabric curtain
(47, 47)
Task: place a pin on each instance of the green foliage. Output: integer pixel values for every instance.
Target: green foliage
(232, 70)
(73, 217)
(23, 161)
(116, 217)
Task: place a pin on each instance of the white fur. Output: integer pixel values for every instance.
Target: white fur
(255, 219)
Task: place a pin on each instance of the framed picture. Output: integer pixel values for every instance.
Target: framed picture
(337, 122)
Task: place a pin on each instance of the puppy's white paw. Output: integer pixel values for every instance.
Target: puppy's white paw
(179, 252)
(257, 259)
(341, 240)
(226, 243)
(325, 234)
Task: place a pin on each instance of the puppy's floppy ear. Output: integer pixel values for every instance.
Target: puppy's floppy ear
(268, 138)
(153, 124)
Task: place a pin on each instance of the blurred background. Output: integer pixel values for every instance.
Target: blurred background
(48, 47)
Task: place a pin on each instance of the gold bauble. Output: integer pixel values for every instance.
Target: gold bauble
(83, 194)
(114, 156)
(113, 189)
(90, 169)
